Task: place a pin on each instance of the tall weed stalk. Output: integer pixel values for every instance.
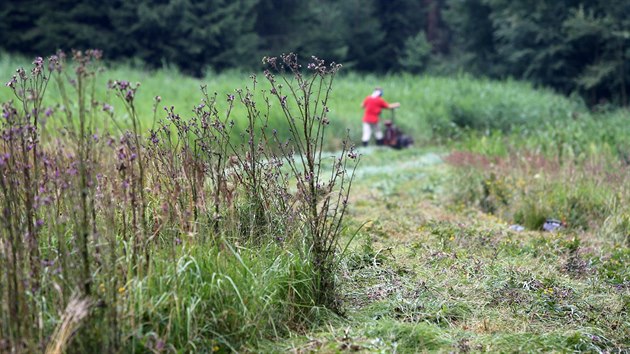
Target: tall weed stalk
(20, 188)
(304, 101)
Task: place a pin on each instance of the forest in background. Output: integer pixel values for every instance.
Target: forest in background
(572, 46)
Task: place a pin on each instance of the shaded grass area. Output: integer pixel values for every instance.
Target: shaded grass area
(426, 274)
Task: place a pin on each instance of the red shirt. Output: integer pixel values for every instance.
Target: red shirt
(373, 107)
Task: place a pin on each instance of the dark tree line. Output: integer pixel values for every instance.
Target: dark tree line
(571, 45)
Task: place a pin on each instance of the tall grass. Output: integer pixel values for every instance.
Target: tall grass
(188, 235)
(527, 188)
(218, 299)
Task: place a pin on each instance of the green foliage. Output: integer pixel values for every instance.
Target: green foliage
(42, 27)
(192, 35)
(605, 75)
(480, 105)
(364, 37)
(399, 20)
(568, 45)
(528, 39)
(474, 36)
(416, 53)
(276, 31)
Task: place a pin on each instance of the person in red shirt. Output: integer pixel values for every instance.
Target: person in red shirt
(373, 105)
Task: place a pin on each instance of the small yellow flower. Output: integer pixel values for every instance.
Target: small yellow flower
(215, 348)
(452, 238)
(121, 290)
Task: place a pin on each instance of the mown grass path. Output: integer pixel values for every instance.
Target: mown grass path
(425, 275)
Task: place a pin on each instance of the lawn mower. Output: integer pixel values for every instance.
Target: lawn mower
(393, 136)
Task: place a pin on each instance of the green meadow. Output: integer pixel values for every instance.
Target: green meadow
(176, 247)
(433, 109)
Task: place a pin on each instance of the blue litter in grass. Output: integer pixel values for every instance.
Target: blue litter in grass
(552, 225)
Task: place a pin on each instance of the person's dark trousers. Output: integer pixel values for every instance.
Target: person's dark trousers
(365, 143)
(379, 142)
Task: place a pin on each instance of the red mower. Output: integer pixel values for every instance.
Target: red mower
(394, 137)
